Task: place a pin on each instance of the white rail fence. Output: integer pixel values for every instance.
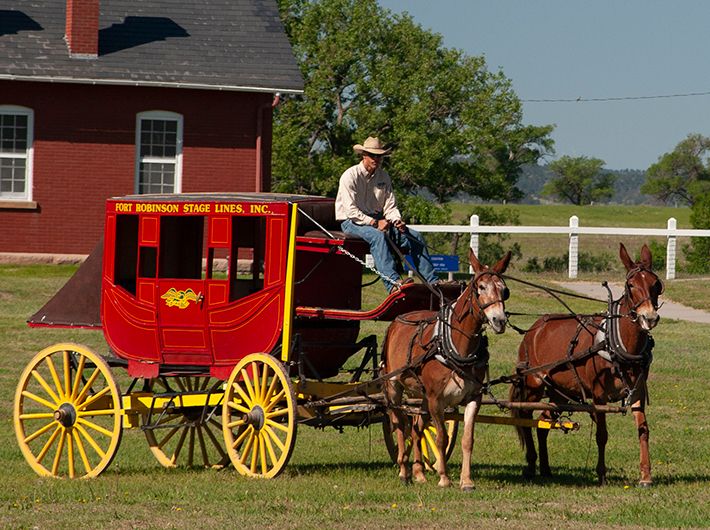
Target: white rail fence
(671, 233)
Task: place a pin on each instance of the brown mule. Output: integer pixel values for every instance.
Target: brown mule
(618, 372)
(442, 358)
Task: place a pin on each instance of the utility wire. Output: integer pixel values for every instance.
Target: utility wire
(581, 99)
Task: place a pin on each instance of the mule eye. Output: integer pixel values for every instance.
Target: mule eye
(505, 294)
(658, 287)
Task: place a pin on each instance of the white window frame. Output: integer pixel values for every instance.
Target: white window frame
(176, 160)
(28, 156)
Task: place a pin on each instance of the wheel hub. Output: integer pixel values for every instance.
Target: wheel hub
(256, 417)
(65, 414)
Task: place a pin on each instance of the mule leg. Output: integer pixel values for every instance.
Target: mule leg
(640, 419)
(542, 435)
(418, 426)
(602, 437)
(467, 440)
(399, 423)
(526, 438)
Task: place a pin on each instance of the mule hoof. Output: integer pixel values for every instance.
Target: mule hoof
(467, 489)
(547, 472)
(645, 484)
(528, 474)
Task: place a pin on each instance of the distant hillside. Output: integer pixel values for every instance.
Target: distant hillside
(626, 188)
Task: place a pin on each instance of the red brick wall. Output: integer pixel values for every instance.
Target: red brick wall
(84, 152)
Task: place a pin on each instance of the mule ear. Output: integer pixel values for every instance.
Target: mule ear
(503, 263)
(473, 260)
(646, 259)
(625, 259)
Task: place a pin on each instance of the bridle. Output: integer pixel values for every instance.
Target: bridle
(657, 286)
(472, 301)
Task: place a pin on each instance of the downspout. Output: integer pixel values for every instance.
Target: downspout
(258, 184)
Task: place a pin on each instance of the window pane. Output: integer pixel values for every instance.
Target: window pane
(14, 135)
(158, 141)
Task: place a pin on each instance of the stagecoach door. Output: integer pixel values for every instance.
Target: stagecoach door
(182, 291)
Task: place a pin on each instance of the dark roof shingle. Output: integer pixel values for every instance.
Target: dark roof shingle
(211, 44)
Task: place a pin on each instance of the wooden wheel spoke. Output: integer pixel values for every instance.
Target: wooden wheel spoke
(95, 397)
(168, 436)
(190, 447)
(37, 416)
(236, 423)
(264, 381)
(46, 386)
(247, 384)
(77, 377)
(256, 381)
(268, 395)
(245, 398)
(58, 454)
(255, 453)
(39, 400)
(275, 399)
(277, 425)
(237, 442)
(90, 439)
(274, 437)
(87, 386)
(48, 444)
(93, 426)
(70, 454)
(268, 434)
(67, 373)
(82, 451)
(55, 376)
(238, 407)
(39, 432)
(179, 445)
(277, 413)
(246, 451)
(262, 454)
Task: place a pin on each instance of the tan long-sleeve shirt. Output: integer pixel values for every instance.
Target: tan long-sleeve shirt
(362, 198)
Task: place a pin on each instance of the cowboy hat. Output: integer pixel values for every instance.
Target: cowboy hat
(373, 146)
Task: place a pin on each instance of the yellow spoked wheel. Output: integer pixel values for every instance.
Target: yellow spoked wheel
(67, 412)
(430, 453)
(187, 431)
(259, 416)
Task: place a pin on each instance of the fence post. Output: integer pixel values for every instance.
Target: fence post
(670, 249)
(573, 247)
(474, 238)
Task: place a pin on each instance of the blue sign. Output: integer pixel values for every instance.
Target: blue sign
(441, 262)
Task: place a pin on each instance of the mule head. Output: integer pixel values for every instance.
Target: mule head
(643, 287)
(490, 291)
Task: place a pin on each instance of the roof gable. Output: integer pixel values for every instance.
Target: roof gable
(210, 44)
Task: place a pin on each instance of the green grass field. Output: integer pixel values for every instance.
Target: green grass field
(346, 480)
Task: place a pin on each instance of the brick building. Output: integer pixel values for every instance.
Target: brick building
(131, 96)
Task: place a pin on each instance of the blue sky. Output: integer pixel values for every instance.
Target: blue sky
(569, 49)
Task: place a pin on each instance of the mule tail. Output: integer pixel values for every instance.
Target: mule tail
(517, 394)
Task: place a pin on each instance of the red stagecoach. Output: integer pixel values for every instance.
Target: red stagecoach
(231, 312)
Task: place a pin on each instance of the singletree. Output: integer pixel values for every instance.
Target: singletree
(579, 180)
(455, 126)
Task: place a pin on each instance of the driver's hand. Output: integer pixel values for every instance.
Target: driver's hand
(383, 225)
(400, 225)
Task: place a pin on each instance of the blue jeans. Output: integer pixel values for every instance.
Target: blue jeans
(381, 253)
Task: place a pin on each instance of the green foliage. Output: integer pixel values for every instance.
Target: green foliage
(418, 210)
(454, 125)
(697, 253)
(579, 180)
(658, 255)
(683, 174)
(586, 262)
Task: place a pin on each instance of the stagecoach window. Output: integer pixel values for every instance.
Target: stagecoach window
(159, 152)
(181, 240)
(147, 262)
(15, 153)
(126, 252)
(246, 263)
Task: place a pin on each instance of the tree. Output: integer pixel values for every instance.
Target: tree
(579, 180)
(682, 174)
(455, 126)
